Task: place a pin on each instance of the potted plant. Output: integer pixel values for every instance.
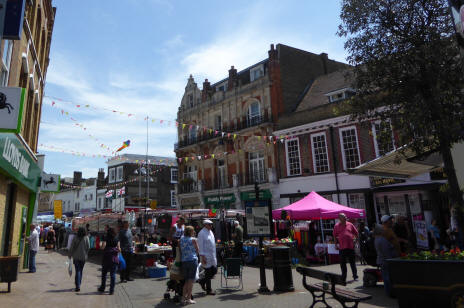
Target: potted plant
(428, 279)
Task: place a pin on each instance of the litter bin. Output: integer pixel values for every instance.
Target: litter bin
(9, 270)
(282, 269)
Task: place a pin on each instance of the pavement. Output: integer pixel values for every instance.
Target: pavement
(51, 286)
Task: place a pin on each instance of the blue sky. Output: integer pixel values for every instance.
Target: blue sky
(135, 56)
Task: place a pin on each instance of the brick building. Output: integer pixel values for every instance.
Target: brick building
(320, 145)
(221, 128)
(131, 176)
(25, 59)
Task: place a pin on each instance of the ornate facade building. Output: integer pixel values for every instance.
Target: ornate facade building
(223, 129)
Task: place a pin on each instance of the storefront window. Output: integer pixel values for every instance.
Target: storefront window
(381, 208)
(397, 205)
(356, 201)
(414, 204)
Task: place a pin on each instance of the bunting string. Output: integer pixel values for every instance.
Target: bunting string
(197, 129)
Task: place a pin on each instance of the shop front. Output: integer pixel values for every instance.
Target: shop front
(226, 201)
(19, 181)
(188, 203)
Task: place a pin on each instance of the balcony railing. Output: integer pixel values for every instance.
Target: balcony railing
(187, 187)
(245, 122)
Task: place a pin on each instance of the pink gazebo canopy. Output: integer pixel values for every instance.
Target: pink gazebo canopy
(314, 206)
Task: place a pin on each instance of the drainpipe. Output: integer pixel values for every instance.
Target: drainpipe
(334, 160)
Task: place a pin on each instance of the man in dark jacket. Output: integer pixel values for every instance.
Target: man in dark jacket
(125, 240)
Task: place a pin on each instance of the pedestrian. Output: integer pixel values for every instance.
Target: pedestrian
(189, 251)
(125, 240)
(33, 241)
(51, 239)
(364, 235)
(345, 235)
(207, 249)
(435, 234)
(401, 231)
(385, 250)
(238, 239)
(110, 262)
(79, 250)
(176, 232)
(387, 224)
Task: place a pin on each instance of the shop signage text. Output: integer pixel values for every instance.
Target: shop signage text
(220, 199)
(379, 181)
(16, 162)
(251, 195)
(14, 157)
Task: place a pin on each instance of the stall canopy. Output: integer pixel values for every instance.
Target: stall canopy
(313, 207)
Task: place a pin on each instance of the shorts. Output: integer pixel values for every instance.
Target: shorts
(189, 269)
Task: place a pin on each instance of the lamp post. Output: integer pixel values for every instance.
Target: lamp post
(262, 270)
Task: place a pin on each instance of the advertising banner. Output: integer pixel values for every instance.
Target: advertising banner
(58, 208)
(258, 218)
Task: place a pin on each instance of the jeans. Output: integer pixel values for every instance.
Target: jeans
(386, 279)
(112, 269)
(79, 266)
(125, 274)
(348, 255)
(32, 254)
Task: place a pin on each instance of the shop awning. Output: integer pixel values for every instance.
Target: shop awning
(402, 163)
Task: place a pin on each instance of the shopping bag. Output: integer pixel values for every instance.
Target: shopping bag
(69, 264)
(122, 262)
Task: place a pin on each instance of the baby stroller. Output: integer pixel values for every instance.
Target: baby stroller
(176, 286)
(369, 254)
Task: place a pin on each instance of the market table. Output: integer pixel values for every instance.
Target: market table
(142, 257)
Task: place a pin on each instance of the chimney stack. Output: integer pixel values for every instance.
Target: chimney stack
(77, 178)
(272, 53)
(325, 59)
(205, 93)
(232, 82)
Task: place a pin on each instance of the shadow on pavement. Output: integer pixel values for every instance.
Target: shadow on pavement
(236, 296)
(89, 293)
(60, 291)
(166, 304)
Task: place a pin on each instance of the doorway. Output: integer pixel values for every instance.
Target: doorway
(8, 219)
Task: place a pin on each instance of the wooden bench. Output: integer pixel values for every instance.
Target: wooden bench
(343, 296)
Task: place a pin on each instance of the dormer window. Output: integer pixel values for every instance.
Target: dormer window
(256, 73)
(339, 95)
(222, 87)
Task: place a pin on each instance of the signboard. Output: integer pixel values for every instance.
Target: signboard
(11, 109)
(380, 181)
(258, 218)
(422, 239)
(50, 182)
(220, 200)
(58, 208)
(154, 204)
(17, 163)
(251, 195)
(14, 19)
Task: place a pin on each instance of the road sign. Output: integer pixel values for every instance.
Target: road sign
(11, 109)
(50, 182)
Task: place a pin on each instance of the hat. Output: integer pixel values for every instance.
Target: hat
(385, 218)
(236, 222)
(207, 222)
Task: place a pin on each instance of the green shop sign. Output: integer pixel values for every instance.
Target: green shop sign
(16, 162)
(220, 200)
(251, 195)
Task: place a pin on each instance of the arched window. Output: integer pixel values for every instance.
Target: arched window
(254, 114)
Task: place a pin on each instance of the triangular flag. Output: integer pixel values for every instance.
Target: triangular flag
(183, 125)
(223, 134)
(212, 155)
(228, 135)
(235, 136)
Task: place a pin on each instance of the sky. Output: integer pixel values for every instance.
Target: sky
(115, 58)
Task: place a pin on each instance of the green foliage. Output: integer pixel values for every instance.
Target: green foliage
(430, 255)
(407, 69)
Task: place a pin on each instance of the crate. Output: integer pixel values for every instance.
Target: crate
(157, 272)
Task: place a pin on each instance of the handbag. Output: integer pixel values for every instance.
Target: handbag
(122, 262)
(69, 264)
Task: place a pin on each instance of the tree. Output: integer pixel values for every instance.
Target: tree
(408, 71)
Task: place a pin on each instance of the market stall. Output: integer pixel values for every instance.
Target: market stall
(318, 214)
